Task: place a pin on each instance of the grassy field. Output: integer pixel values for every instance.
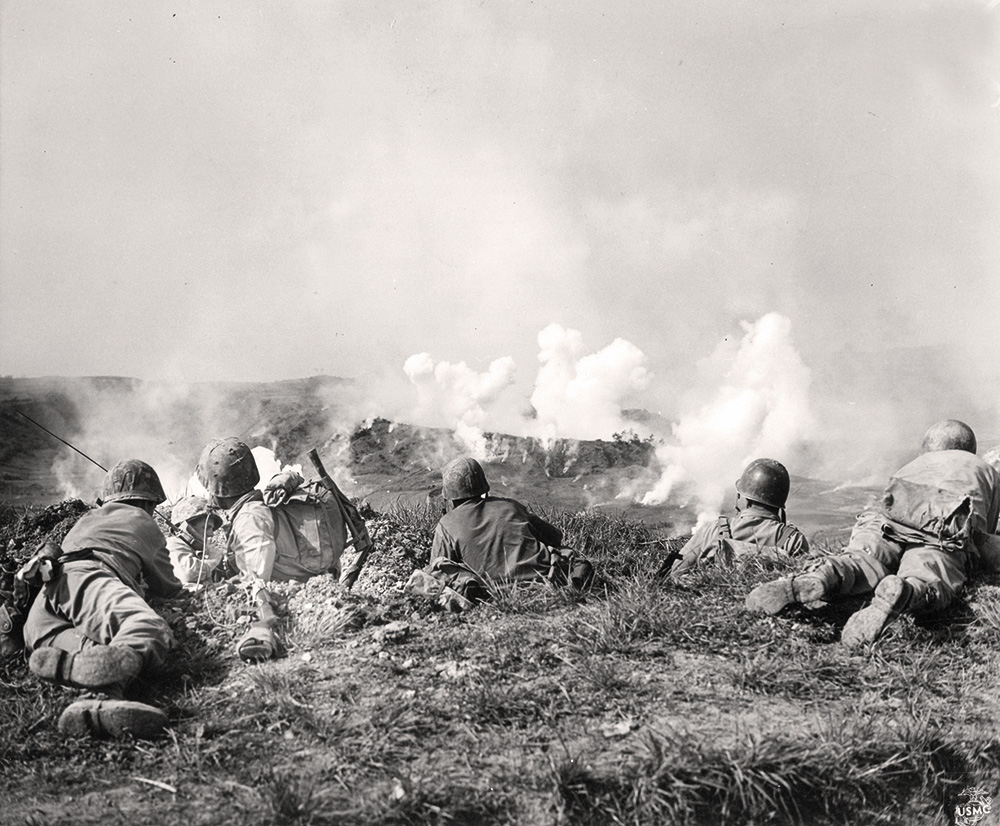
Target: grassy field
(641, 703)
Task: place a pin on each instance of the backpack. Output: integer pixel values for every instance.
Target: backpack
(311, 516)
(941, 517)
(17, 592)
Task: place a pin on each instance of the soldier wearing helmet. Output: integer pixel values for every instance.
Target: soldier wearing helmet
(227, 470)
(499, 540)
(192, 554)
(261, 549)
(90, 626)
(913, 551)
(758, 528)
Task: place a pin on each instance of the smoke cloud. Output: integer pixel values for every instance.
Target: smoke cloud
(753, 402)
(576, 395)
(581, 396)
(458, 395)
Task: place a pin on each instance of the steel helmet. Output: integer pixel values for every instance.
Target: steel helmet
(188, 508)
(949, 434)
(766, 481)
(463, 478)
(132, 479)
(227, 468)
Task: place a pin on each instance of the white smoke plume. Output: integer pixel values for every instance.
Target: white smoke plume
(581, 396)
(458, 394)
(759, 406)
(576, 394)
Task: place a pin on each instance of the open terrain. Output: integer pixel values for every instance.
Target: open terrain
(639, 703)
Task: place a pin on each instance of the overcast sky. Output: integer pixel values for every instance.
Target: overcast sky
(234, 190)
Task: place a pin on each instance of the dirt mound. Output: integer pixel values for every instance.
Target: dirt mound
(400, 549)
(21, 536)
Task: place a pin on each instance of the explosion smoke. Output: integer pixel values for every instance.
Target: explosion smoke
(761, 408)
(458, 393)
(580, 396)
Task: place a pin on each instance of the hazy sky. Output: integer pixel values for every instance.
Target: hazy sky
(236, 190)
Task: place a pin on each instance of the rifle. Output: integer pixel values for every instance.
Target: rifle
(359, 531)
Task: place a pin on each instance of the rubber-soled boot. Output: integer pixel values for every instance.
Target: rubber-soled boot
(891, 596)
(112, 718)
(773, 597)
(94, 668)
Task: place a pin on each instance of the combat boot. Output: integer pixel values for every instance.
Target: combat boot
(112, 718)
(892, 596)
(773, 597)
(98, 667)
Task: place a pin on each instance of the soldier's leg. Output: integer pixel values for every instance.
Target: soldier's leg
(92, 630)
(927, 580)
(866, 560)
(935, 577)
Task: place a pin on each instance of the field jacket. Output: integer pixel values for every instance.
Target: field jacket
(947, 499)
(753, 527)
(499, 539)
(129, 542)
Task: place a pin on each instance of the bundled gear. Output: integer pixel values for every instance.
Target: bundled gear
(132, 479)
(451, 585)
(20, 590)
(227, 468)
(765, 481)
(363, 545)
(307, 527)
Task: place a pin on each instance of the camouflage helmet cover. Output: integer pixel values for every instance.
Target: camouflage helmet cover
(949, 434)
(227, 468)
(132, 479)
(766, 481)
(463, 478)
(188, 508)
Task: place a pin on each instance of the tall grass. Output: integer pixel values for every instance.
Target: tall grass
(847, 775)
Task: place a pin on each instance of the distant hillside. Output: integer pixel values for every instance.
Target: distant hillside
(382, 461)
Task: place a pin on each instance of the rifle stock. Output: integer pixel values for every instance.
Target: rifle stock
(359, 531)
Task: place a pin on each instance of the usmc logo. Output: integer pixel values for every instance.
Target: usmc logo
(978, 806)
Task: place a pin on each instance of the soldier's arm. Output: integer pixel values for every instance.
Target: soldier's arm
(158, 573)
(795, 542)
(252, 541)
(442, 546)
(545, 532)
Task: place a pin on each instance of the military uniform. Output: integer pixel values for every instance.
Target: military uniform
(111, 557)
(936, 512)
(499, 539)
(754, 529)
(264, 540)
(190, 563)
